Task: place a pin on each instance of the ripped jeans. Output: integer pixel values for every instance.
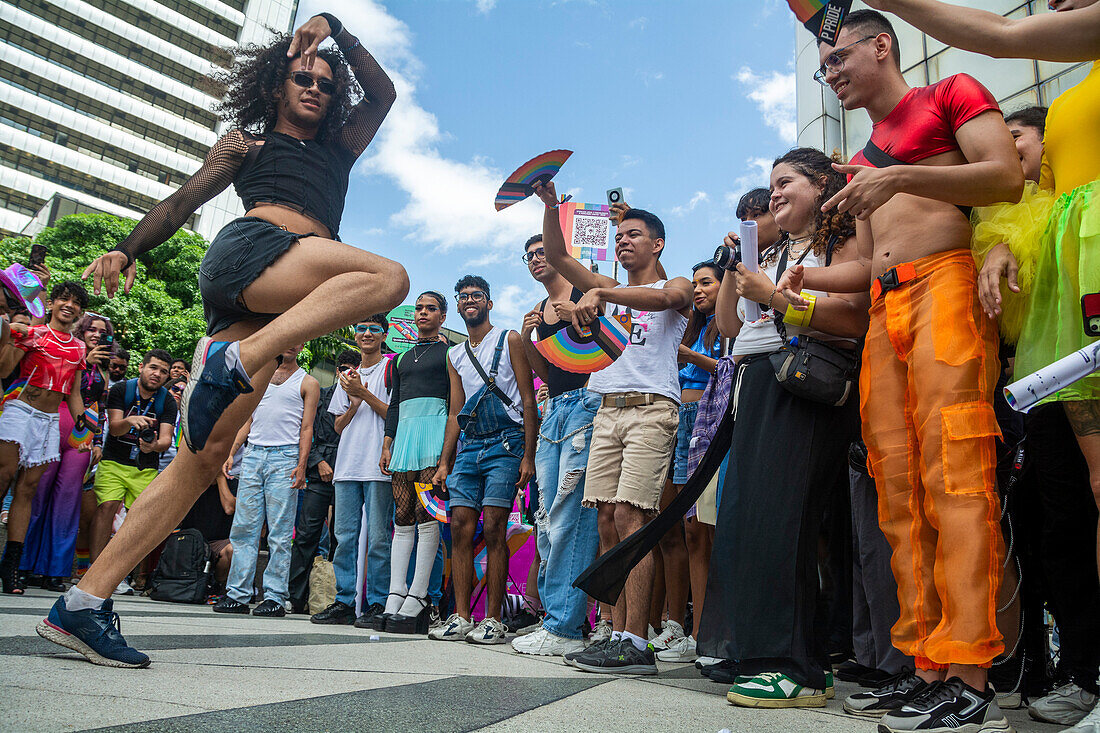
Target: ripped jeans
(567, 538)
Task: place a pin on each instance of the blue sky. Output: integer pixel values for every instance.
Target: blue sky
(682, 104)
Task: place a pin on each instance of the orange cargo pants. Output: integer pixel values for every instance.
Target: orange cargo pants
(929, 370)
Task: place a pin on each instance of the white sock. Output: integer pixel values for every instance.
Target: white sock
(233, 355)
(616, 635)
(637, 641)
(78, 600)
(427, 544)
(400, 552)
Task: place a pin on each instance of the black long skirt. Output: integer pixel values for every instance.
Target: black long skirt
(787, 456)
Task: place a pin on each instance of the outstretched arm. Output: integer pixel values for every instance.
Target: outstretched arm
(378, 92)
(1067, 36)
(164, 219)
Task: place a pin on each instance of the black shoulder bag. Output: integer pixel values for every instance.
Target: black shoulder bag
(809, 367)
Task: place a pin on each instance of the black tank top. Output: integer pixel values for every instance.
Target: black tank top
(306, 175)
(560, 381)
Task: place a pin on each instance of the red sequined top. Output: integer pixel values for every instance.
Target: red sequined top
(52, 359)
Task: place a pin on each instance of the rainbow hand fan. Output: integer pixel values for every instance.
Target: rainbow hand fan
(82, 437)
(584, 353)
(823, 19)
(521, 183)
(435, 506)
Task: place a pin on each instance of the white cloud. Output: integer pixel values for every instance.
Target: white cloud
(757, 173)
(484, 6)
(450, 202)
(698, 198)
(774, 96)
(511, 303)
(638, 23)
(650, 76)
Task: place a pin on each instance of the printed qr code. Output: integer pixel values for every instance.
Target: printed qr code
(590, 232)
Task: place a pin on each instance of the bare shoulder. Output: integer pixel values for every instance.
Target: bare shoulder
(310, 385)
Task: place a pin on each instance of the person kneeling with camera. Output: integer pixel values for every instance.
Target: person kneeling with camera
(140, 419)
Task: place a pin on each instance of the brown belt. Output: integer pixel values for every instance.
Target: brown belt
(633, 399)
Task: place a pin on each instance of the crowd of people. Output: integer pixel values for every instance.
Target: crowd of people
(880, 513)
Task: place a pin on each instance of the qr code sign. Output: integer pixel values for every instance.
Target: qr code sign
(590, 233)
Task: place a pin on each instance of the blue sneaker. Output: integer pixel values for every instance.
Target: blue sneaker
(211, 389)
(95, 634)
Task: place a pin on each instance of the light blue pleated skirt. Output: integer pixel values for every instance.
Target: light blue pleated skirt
(420, 431)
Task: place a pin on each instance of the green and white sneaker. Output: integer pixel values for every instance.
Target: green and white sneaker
(830, 690)
(774, 690)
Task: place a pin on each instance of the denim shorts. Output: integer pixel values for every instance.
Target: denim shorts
(242, 250)
(688, 413)
(486, 471)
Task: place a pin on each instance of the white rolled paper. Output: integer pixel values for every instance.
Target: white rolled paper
(750, 255)
(1027, 392)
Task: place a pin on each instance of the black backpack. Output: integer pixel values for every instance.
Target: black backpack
(183, 571)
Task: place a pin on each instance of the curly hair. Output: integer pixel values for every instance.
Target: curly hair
(86, 322)
(818, 167)
(258, 73)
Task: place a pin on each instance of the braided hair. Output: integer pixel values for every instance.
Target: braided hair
(818, 168)
(259, 72)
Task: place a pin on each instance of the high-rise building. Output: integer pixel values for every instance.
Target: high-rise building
(1015, 83)
(106, 103)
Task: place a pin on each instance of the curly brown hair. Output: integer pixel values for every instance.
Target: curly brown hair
(818, 168)
(258, 73)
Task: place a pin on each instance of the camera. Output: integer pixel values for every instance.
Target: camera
(147, 435)
(727, 257)
(1090, 313)
(614, 196)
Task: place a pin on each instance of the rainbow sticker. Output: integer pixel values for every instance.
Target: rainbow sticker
(823, 19)
(83, 437)
(520, 184)
(435, 506)
(591, 351)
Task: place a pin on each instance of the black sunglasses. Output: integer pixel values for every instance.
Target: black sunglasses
(305, 81)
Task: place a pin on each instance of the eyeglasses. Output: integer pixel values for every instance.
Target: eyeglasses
(478, 296)
(835, 62)
(305, 81)
(535, 254)
(373, 328)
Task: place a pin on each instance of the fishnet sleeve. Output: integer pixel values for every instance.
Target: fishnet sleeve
(378, 95)
(164, 219)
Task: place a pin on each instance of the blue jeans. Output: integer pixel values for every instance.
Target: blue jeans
(351, 498)
(567, 538)
(264, 491)
(486, 470)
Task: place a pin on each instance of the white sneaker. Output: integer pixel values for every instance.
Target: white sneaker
(650, 632)
(545, 643)
(600, 632)
(454, 628)
(681, 650)
(489, 631)
(672, 633)
(706, 662)
(1090, 723)
(123, 589)
(1066, 705)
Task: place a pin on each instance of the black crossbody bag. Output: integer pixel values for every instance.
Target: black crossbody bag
(809, 367)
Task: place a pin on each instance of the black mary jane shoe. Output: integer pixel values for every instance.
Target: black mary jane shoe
(382, 620)
(418, 624)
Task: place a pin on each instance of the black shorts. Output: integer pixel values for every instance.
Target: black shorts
(242, 250)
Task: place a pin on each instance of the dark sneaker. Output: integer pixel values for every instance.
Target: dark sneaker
(338, 614)
(621, 657)
(226, 604)
(270, 609)
(211, 389)
(895, 692)
(948, 706)
(521, 620)
(593, 648)
(95, 634)
(370, 616)
(726, 672)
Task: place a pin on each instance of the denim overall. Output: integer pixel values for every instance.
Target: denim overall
(487, 465)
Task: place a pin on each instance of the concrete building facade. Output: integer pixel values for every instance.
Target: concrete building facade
(106, 102)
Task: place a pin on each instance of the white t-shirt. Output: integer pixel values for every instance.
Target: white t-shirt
(361, 441)
(648, 365)
(472, 381)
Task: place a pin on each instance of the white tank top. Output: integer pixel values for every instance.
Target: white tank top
(506, 378)
(649, 363)
(278, 418)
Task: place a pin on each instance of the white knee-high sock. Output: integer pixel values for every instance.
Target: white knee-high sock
(400, 553)
(427, 544)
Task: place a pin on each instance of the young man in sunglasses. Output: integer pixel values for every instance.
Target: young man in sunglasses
(929, 367)
(276, 441)
(493, 406)
(360, 404)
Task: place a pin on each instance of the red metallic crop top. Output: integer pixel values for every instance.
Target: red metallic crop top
(52, 358)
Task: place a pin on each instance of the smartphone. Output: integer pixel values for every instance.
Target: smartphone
(614, 196)
(38, 256)
(106, 340)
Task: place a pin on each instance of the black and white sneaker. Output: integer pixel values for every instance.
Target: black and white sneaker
(895, 692)
(620, 657)
(948, 707)
(593, 648)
